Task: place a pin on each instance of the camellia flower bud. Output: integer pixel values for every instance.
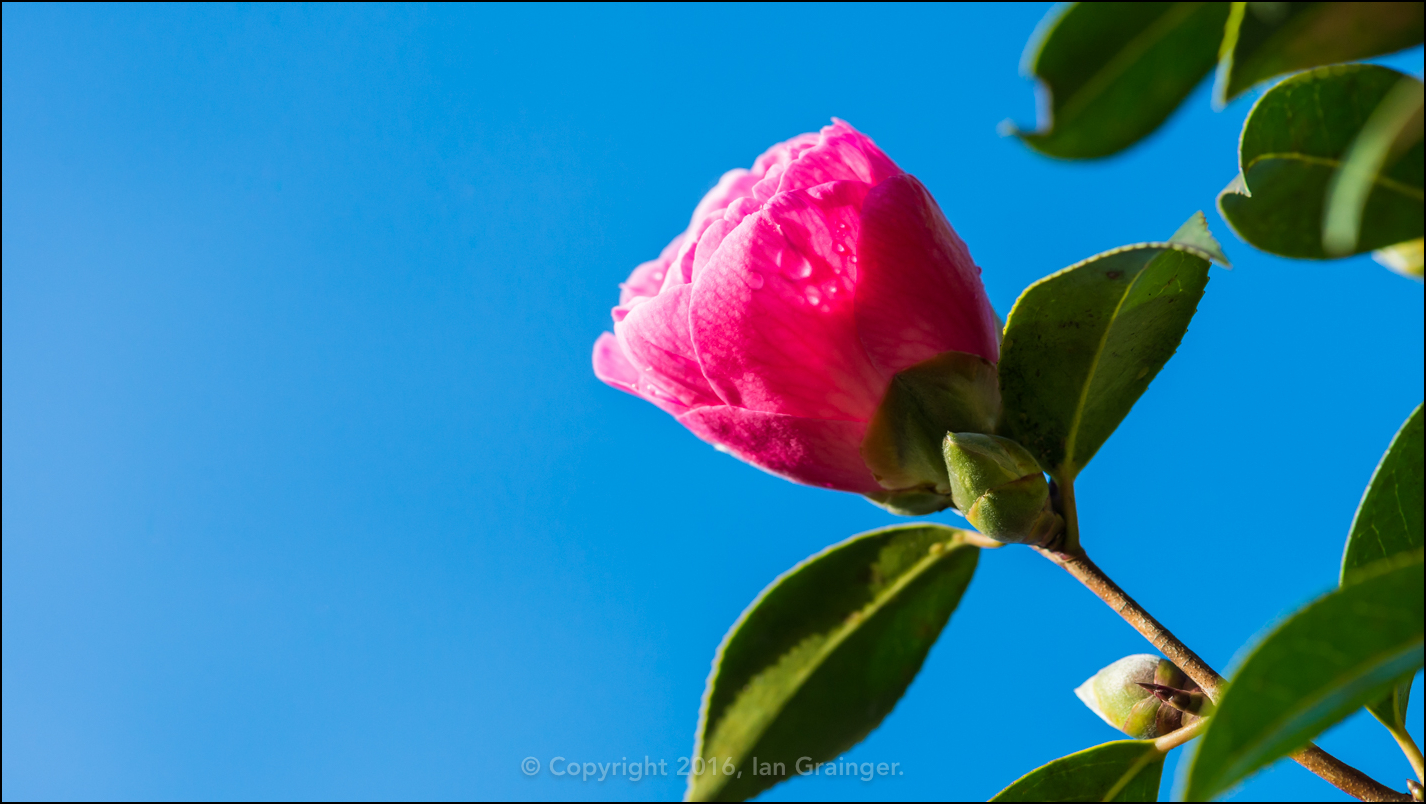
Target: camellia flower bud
(818, 319)
(998, 485)
(1143, 696)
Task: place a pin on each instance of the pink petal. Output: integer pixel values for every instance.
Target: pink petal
(681, 270)
(614, 369)
(817, 452)
(654, 337)
(736, 183)
(648, 277)
(841, 154)
(782, 154)
(709, 242)
(919, 292)
(767, 188)
(773, 317)
(716, 227)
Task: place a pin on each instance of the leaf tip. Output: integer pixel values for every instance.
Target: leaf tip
(1194, 234)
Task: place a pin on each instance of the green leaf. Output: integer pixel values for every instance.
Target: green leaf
(1344, 650)
(1126, 770)
(1264, 40)
(1083, 344)
(1389, 519)
(1390, 710)
(1293, 144)
(1388, 523)
(1113, 72)
(824, 653)
(1393, 128)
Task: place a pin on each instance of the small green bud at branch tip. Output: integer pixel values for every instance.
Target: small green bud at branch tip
(998, 485)
(1128, 695)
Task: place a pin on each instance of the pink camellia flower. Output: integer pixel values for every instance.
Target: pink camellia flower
(774, 326)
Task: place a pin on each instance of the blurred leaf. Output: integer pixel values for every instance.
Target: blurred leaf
(1403, 258)
(825, 652)
(1392, 129)
(1264, 40)
(1340, 652)
(1083, 344)
(1126, 770)
(1113, 72)
(1293, 143)
(1388, 522)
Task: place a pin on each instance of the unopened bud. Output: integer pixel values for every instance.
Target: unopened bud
(998, 485)
(1193, 703)
(1144, 696)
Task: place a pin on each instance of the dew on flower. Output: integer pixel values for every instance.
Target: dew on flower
(755, 279)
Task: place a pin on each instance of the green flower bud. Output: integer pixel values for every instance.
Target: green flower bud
(1141, 696)
(1000, 488)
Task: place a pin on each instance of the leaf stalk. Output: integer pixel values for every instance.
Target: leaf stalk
(1409, 747)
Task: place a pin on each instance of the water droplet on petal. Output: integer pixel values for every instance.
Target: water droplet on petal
(803, 271)
(755, 279)
(813, 297)
(841, 249)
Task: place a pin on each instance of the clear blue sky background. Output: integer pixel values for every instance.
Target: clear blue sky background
(309, 490)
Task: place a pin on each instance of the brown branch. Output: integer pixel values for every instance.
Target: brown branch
(1338, 773)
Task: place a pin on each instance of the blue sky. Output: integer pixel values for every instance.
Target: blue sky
(310, 492)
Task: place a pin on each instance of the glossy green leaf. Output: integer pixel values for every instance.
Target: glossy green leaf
(1293, 144)
(1389, 522)
(824, 653)
(1340, 652)
(1393, 128)
(1389, 518)
(1113, 72)
(1126, 770)
(1265, 40)
(1083, 344)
